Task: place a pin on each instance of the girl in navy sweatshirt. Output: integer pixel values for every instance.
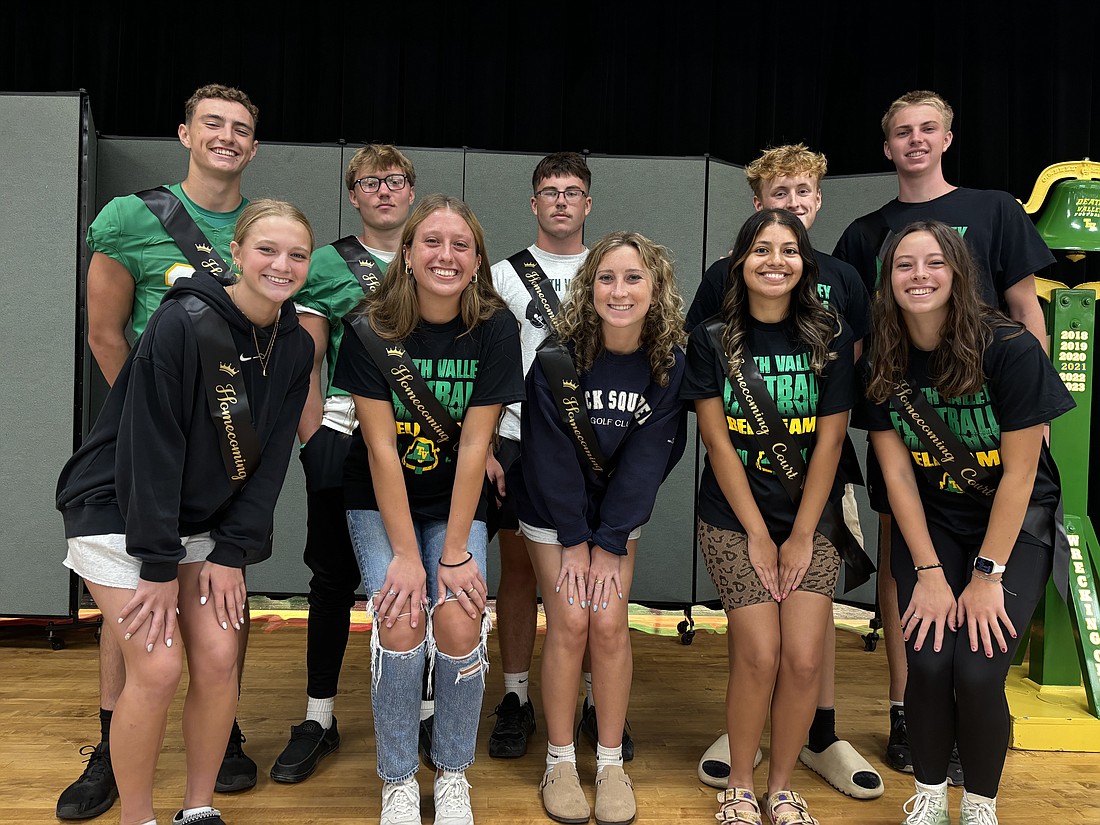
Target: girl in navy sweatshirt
(582, 505)
(159, 526)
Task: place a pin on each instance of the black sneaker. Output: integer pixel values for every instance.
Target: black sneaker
(955, 769)
(238, 771)
(898, 755)
(425, 741)
(515, 722)
(309, 744)
(95, 791)
(588, 727)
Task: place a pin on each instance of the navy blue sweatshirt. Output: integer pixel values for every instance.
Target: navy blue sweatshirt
(562, 493)
(152, 468)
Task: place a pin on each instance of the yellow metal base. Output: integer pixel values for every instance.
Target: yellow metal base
(1046, 718)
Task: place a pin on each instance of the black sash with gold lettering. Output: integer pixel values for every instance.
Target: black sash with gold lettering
(774, 438)
(225, 391)
(538, 284)
(565, 385)
(400, 372)
(956, 460)
(179, 224)
(363, 265)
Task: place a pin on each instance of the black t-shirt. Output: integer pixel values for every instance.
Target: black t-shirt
(799, 393)
(1021, 390)
(479, 368)
(1001, 237)
(838, 285)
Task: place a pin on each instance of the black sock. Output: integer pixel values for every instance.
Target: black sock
(105, 724)
(822, 730)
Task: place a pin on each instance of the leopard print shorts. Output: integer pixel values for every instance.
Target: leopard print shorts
(726, 555)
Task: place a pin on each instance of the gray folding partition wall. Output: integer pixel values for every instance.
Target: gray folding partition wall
(693, 206)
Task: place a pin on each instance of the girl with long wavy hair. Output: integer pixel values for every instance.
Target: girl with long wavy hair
(416, 497)
(776, 351)
(581, 506)
(974, 494)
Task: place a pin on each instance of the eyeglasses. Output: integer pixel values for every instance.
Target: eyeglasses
(551, 195)
(371, 184)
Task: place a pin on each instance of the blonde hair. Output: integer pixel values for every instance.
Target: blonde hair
(377, 156)
(919, 98)
(782, 162)
(663, 329)
(262, 208)
(393, 310)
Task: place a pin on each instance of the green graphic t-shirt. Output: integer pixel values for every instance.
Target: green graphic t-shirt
(127, 231)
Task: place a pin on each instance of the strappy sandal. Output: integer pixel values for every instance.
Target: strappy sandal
(799, 816)
(727, 813)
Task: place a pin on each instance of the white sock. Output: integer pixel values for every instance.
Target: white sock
(935, 790)
(894, 704)
(608, 756)
(978, 799)
(192, 811)
(427, 709)
(517, 683)
(320, 710)
(588, 689)
(560, 753)
(151, 822)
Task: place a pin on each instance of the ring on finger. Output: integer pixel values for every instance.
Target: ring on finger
(393, 593)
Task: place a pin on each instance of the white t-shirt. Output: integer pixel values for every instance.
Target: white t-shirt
(560, 269)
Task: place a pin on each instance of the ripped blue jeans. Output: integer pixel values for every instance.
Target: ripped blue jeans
(397, 676)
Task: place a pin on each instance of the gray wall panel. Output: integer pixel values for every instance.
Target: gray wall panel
(40, 144)
(729, 205)
(844, 199)
(498, 189)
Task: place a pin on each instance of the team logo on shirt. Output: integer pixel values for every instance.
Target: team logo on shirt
(422, 455)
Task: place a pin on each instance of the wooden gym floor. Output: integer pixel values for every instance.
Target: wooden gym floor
(48, 705)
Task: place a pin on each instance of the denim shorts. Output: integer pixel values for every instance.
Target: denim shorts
(374, 553)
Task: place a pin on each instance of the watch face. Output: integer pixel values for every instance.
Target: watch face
(983, 566)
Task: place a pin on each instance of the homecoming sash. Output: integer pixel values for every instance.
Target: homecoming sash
(565, 386)
(538, 284)
(774, 439)
(408, 384)
(956, 460)
(225, 391)
(181, 227)
(363, 266)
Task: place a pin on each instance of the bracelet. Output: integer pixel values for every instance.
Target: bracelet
(920, 567)
(469, 556)
(987, 577)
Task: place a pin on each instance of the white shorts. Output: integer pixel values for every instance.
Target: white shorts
(103, 559)
(546, 535)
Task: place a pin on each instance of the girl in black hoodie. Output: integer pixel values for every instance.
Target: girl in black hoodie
(165, 503)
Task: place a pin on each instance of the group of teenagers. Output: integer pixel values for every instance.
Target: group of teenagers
(544, 400)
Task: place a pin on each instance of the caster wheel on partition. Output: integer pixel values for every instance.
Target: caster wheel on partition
(687, 638)
(57, 643)
(682, 627)
(870, 642)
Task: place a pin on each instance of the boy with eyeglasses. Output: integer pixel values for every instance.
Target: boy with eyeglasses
(381, 187)
(134, 262)
(560, 203)
(789, 177)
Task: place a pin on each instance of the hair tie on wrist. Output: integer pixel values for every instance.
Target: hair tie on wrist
(469, 556)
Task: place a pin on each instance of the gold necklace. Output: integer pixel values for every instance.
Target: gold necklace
(265, 357)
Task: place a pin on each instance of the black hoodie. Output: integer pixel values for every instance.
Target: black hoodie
(152, 468)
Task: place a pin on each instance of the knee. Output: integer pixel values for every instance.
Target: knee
(455, 633)
(607, 633)
(215, 663)
(978, 682)
(760, 664)
(156, 676)
(570, 627)
(802, 666)
(928, 669)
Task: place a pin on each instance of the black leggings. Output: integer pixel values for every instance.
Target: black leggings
(957, 695)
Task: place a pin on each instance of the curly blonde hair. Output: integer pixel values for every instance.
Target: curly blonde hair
(663, 331)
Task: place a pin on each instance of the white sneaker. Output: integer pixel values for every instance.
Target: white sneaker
(975, 812)
(926, 808)
(452, 800)
(400, 803)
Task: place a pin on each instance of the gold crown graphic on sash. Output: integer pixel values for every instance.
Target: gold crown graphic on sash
(227, 368)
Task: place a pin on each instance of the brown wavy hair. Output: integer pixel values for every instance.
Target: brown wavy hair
(815, 324)
(955, 367)
(393, 310)
(663, 330)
